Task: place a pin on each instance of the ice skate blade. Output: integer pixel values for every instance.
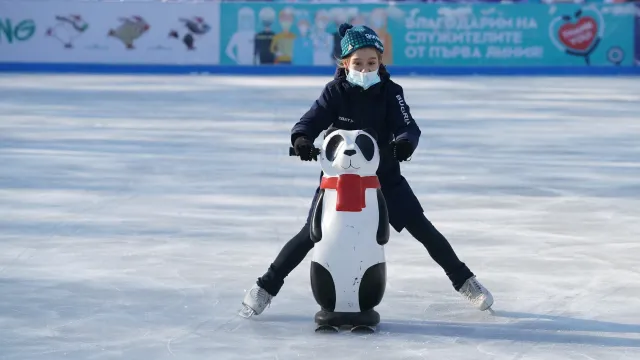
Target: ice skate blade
(490, 310)
(246, 312)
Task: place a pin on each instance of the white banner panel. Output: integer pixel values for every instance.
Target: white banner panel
(110, 32)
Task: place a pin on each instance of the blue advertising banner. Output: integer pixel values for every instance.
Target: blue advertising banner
(637, 35)
(249, 37)
(433, 34)
(286, 33)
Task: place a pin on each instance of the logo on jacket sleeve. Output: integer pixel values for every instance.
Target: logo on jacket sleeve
(405, 115)
(342, 118)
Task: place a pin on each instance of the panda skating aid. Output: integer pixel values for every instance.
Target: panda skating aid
(349, 226)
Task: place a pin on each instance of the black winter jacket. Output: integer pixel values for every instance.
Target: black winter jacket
(382, 108)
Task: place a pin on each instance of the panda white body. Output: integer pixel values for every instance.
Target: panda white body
(348, 269)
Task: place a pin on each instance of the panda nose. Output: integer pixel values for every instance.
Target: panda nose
(349, 152)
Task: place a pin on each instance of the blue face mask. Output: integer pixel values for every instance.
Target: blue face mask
(364, 79)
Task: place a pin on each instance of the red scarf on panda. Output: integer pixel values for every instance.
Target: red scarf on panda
(351, 189)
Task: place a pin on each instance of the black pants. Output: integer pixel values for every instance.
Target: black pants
(420, 228)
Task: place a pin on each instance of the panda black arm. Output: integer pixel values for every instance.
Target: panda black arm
(382, 236)
(316, 218)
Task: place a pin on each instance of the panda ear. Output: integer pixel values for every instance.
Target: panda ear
(371, 132)
(329, 131)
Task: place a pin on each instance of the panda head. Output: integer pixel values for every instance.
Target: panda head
(350, 152)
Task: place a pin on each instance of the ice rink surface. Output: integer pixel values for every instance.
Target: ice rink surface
(135, 212)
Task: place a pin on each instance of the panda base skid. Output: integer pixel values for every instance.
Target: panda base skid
(369, 318)
(363, 329)
(327, 329)
(357, 322)
(359, 329)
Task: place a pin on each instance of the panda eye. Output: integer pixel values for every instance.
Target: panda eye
(332, 147)
(366, 146)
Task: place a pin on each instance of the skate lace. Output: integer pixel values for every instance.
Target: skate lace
(261, 296)
(473, 290)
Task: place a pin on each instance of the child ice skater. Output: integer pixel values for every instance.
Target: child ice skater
(362, 96)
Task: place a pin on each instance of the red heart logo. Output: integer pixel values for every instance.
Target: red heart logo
(580, 35)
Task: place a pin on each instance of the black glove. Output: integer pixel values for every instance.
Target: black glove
(402, 150)
(304, 148)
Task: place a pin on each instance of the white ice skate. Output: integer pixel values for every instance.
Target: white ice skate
(477, 294)
(255, 301)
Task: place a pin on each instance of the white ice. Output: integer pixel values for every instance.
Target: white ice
(136, 211)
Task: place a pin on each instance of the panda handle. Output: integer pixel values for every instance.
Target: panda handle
(315, 152)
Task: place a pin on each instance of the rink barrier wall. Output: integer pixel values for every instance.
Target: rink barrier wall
(184, 37)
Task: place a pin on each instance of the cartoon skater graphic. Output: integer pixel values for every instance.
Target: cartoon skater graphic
(195, 26)
(378, 20)
(322, 40)
(67, 29)
(130, 29)
(358, 19)
(282, 43)
(263, 39)
(339, 16)
(303, 45)
(242, 41)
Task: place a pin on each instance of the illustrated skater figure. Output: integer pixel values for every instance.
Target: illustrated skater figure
(362, 96)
